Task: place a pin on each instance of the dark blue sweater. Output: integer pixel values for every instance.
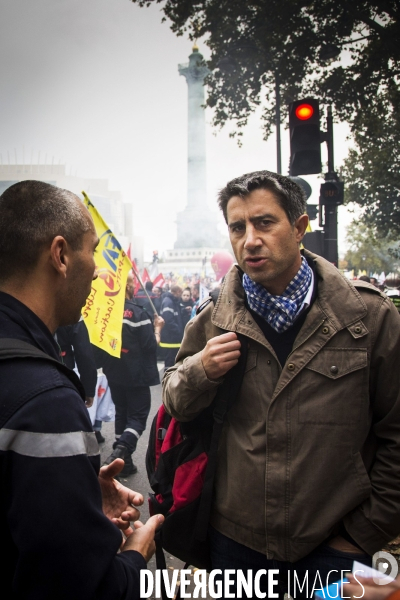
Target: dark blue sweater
(56, 541)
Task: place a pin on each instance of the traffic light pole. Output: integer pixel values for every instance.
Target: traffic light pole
(330, 227)
(278, 124)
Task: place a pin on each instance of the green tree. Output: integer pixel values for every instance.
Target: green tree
(372, 169)
(251, 40)
(367, 252)
(256, 43)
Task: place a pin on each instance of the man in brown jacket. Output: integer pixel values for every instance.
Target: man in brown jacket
(308, 466)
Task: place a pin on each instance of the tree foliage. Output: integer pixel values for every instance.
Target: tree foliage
(372, 169)
(255, 43)
(251, 40)
(366, 252)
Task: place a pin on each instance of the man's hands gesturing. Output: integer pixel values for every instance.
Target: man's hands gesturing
(119, 502)
(220, 355)
(119, 505)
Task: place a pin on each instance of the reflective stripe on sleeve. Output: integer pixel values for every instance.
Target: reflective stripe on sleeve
(135, 433)
(49, 445)
(167, 308)
(164, 345)
(138, 324)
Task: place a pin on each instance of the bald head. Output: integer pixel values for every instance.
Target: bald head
(32, 213)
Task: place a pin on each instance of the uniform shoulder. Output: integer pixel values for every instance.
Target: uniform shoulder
(30, 376)
(134, 311)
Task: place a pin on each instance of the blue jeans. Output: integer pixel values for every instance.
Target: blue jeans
(228, 554)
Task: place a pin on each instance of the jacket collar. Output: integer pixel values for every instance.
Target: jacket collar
(19, 322)
(337, 300)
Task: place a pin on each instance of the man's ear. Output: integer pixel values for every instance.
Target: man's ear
(59, 257)
(301, 226)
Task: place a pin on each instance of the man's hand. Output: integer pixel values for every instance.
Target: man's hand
(371, 591)
(220, 355)
(119, 502)
(158, 322)
(142, 538)
(89, 401)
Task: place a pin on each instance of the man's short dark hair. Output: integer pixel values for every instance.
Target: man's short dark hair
(149, 286)
(175, 289)
(290, 196)
(32, 214)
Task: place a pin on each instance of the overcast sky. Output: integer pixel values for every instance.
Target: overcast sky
(95, 84)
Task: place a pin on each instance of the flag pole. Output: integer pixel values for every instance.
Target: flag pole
(145, 291)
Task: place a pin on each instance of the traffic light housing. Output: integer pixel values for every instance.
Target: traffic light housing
(305, 186)
(332, 193)
(305, 137)
(312, 211)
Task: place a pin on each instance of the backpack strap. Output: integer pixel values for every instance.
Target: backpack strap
(225, 398)
(11, 349)
(212, 297)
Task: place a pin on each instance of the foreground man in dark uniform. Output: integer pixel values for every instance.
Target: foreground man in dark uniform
(308, 466)
(60, 518)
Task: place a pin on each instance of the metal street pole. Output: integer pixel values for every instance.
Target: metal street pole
(329, 127)
(278, 124)
(330, 230)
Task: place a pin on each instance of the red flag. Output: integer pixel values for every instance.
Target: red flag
(135, 269)
(128, 253)
(159, 281)
(145, 276)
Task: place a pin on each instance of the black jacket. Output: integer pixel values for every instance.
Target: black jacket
(58, 542)
(172, 332)
(138, 363)
(186, 310)
(141, 300)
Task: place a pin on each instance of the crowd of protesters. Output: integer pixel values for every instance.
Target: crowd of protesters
(176, 304)
(389, 285)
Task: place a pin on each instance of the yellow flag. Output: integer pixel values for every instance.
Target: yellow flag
(104, 309)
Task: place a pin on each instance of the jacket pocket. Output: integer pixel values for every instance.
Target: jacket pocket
(334, 387)
(251, 362)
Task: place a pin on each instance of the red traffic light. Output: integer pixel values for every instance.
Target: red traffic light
(304, 112)
(305, 137)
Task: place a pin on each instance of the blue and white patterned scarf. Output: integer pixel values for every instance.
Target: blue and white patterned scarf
(279, 311)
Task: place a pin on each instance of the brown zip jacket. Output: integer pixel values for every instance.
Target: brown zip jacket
(313, 444)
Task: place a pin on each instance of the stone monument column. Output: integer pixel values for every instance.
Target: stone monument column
(196, 225)
(195, 74)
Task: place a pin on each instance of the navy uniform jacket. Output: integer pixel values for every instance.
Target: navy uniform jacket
(138, 363)
(172, 332)
(57, 541)
(141, 300)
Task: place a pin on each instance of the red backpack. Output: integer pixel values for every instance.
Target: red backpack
(181, 460)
